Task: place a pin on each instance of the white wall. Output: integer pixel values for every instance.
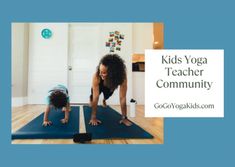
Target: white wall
(19, 47)
(142, 39)
(125, 53)
(138, 79)
(47, 60)
(84, 55)
(90, 45)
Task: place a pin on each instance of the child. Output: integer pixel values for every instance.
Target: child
(57, 98)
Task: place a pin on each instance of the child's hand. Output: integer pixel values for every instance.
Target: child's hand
(46, 123)
(64, 121)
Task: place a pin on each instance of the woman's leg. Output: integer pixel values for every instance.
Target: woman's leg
(107, 94)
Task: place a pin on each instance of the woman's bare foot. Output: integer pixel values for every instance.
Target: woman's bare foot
(90, 104)
(104, 103)
(90, 101)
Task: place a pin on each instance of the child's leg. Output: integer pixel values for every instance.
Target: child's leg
(66, 111)
(66, 118)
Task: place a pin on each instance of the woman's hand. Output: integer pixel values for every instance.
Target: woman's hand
(94, 122)
(125, 122)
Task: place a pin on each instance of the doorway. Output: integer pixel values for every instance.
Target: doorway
(84, 55)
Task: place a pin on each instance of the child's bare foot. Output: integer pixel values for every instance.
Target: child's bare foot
(64, 109)
(104, 103)
(90, 101)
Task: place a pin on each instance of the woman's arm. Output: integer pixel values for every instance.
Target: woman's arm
(95, 99)
(122, 95)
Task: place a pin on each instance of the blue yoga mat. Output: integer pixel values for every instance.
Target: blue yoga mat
(35, 130)
(110, 126)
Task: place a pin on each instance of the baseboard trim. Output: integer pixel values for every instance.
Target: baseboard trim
(19, 101)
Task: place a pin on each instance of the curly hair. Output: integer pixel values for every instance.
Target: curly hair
(58, 99)
(116, 70)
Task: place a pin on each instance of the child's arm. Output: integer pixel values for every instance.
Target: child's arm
(46, 122)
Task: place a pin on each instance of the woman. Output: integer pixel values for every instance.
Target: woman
(111, 73)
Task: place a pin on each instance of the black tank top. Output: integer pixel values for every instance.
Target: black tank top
(104, 88)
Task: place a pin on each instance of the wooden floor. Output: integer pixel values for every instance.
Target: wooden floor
(22, 115)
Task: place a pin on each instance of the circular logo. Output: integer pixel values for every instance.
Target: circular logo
(46, 33)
